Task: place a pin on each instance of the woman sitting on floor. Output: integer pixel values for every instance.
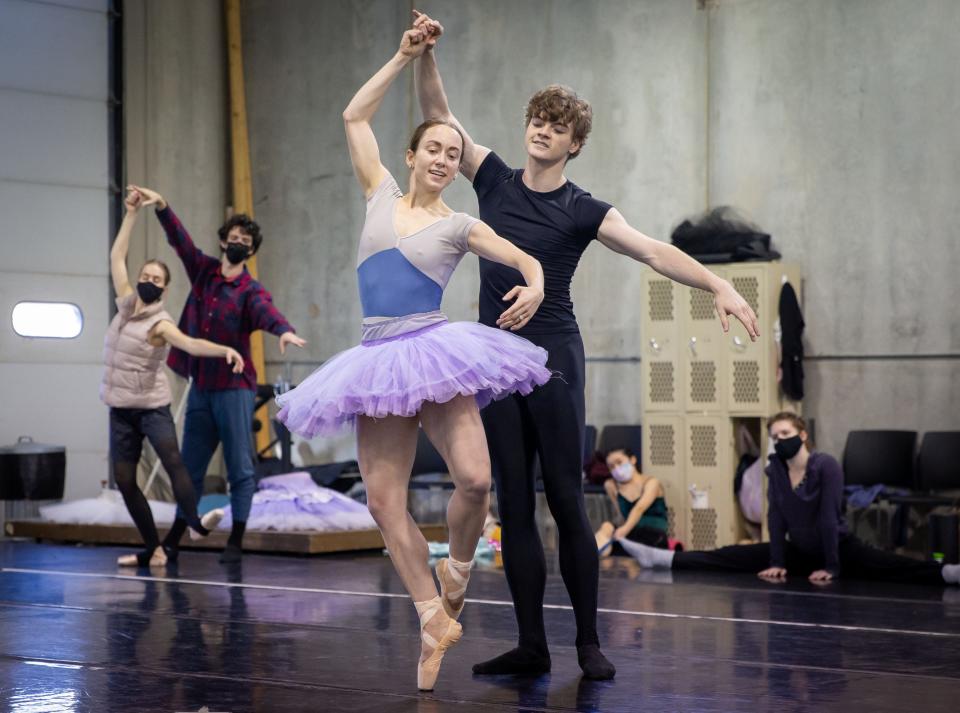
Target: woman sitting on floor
(640, 500)
(805, 500)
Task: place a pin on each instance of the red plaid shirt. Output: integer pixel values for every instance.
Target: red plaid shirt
(219, 310)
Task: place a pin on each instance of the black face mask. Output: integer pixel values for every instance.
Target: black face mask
(149, 292)
(787, 448)
(237, 253)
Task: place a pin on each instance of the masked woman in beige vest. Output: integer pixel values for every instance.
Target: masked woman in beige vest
(136, 389)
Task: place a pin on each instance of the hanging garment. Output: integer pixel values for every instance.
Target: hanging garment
(791, 324)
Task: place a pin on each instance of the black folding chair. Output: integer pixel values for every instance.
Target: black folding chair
(621, 436)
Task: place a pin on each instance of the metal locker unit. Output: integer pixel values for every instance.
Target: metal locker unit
(703, 357)
(660, 331)
(709, 468)
(663, 458)
(752, 388)
(696, 381)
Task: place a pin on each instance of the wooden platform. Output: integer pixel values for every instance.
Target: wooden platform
(304, 543)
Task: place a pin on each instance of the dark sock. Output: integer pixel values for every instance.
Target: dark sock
(125, 475)
(143, 558)
(171, 542)
(231, 554)
(183, 491)
(595, 665)
(236, 534)
(516, 662)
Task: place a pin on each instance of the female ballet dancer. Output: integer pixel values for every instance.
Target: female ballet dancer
(135, 388)
(413, 366)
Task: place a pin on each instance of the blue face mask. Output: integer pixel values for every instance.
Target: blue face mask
(149, 292)
(623, 472)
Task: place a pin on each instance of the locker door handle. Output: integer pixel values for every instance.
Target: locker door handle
(693, 346)
(655, 345)
(739, 344)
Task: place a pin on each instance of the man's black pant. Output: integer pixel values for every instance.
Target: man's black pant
(550, 423)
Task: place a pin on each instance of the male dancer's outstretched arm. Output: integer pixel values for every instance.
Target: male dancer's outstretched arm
(615, 232)
(618, 235)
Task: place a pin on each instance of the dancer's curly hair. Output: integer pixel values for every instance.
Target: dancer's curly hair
(557, 103)
(247, 225)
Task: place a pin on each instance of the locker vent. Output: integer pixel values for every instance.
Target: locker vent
(746, 382)
(749, 289)
(703, 382)
(662, 444)
(704, 526)
(703, 446)
(661, 388)
(661, 300)
(701, 305)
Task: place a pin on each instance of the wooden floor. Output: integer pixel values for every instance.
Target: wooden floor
(303, 543)
(336, 633)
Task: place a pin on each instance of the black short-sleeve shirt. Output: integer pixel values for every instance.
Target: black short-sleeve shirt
(554, 227)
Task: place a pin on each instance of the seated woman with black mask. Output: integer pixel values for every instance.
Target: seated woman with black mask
(805, 500)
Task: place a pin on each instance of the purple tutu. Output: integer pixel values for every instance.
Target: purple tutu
(395, 376)
(293, 502)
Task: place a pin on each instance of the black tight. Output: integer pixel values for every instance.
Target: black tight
(125, 475)
(549, 423)
(857, 561)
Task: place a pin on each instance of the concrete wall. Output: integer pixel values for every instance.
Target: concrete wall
(829, 122)
(177, 125)
(54, 198)
(833, 125)
(177, 138)
(305, 60)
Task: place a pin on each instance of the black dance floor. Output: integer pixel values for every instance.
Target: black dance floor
(336, 633)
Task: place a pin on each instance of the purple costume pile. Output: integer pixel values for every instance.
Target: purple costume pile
(293, 502)
(409, 352)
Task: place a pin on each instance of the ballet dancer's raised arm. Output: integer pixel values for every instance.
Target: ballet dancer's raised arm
(364, 151)
(121, 246)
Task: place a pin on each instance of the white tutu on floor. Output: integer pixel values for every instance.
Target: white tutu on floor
(106, 509)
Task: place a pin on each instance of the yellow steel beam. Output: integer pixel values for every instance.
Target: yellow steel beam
(242, 188)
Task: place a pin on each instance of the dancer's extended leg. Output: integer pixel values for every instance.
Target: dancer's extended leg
(386, 448)
(456, 431)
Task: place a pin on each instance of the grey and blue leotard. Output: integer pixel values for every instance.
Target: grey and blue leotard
(402, 280)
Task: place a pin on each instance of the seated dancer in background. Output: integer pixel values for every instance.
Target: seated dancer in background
(640, 500)
(805, 501)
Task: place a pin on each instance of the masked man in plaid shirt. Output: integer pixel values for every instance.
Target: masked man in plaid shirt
(225, 305)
